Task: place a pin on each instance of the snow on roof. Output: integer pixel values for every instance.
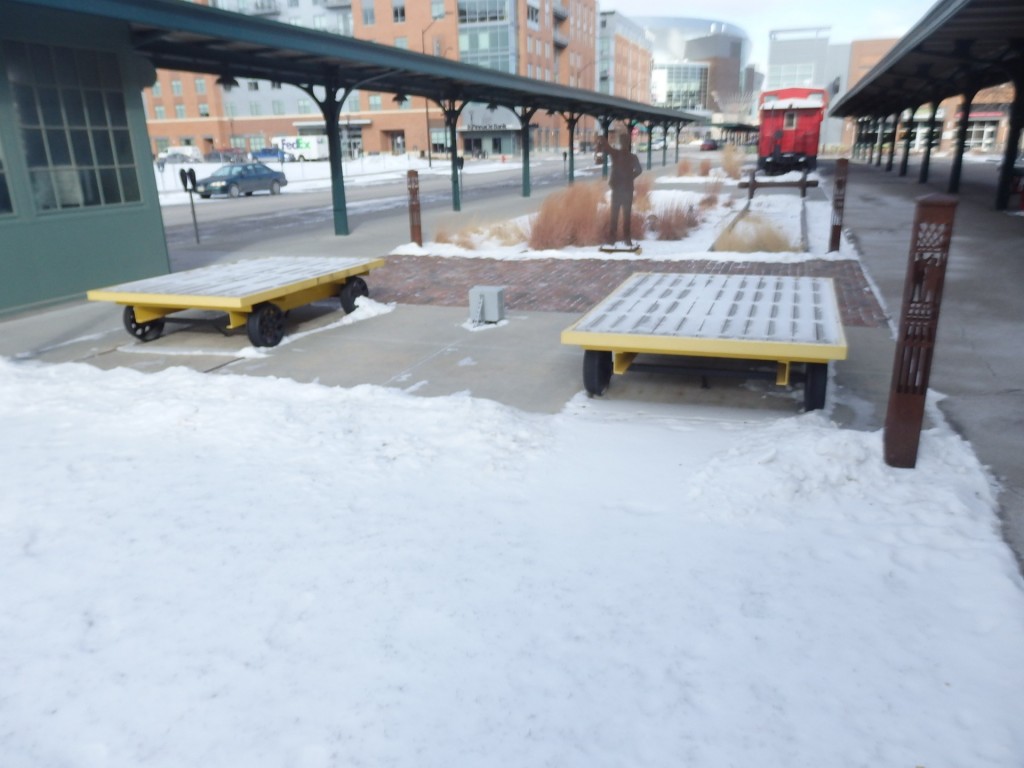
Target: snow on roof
(793, 104)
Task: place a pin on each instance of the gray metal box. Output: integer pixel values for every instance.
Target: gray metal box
(487, 303)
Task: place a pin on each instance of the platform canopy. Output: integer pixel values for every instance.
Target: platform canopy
(960, 46)
(180, 35)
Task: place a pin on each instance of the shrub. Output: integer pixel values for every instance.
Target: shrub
(575, 215)
(674, 221)
(642, 193)
(753, 234)
(685, 167)
(732, 161)
(705, 167)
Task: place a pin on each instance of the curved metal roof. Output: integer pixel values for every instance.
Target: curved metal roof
(959, 46)
(179, 35)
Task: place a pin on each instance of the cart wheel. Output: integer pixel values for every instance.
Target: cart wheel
(597, 371)
(815, 383)
(353, 288)
(265, 325)
(142, 331)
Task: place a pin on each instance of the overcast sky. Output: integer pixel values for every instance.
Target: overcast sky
(862, 20)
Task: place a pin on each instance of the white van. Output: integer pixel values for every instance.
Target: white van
(302, 147)
(190, 152)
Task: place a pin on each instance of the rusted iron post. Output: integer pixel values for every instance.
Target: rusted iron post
(919, 320)
(415, 228)
(838, 203)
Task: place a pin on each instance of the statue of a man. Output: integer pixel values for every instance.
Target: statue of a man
(625, 168)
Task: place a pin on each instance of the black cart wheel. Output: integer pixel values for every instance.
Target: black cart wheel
(353, 288)
(142, 331)
(597, 372)
(815, 384)
(265, 325)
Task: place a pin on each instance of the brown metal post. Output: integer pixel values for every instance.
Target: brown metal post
(919, 320)
(838, 203)
(415, 229)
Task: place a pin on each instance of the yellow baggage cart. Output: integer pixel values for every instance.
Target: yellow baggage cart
(792, 324)
(254, 293)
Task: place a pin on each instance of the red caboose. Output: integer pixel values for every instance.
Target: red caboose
(790, 129)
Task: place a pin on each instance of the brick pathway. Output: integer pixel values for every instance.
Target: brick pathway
(575, 285)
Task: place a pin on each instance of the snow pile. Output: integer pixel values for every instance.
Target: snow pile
(220, 570)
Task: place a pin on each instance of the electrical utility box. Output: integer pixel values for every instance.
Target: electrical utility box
(487, 303)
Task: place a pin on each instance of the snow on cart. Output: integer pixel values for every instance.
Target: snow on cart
(254, 293)
(785, 328)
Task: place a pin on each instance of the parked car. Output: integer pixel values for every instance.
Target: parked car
(174, 157)
(225, 156)
(241, 179)
(272, 153)
(708, 145)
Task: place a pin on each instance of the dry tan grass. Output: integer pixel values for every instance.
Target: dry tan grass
(732, 161)
(753, 234)
(705, 167)
(572, 216)
(505, 233)
(675, 221)
(685, 167)
(642, 193)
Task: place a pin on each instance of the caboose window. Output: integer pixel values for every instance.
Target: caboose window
(789, 122)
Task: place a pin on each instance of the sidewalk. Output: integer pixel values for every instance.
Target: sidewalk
(979, 356)
(425, 348)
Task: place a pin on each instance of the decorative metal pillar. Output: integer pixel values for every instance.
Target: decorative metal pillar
(927, 159)
(415, 225)
(525, 114)
(919, 320)
(961, 143)
(892, 141)
(838, 203)
(908, 134)
(571, 119)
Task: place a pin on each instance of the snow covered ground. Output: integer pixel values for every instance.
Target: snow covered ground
(234, 571)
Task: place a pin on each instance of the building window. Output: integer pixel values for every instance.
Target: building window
(375, 103)
(204, 110)
(402, 42)
(368, 15)
(179, 111)
(231, 109)
(789, 121)
(176, 87)
(398, 11)
(254, 85)
(482, 10)
(353, 103)
(157, 90)
(159, 113)
(277, 107)
(293, 3)
(320, 22)
(200, 85)
(73, 121)
(437, 9)
(533, 16)
(255, 109)
(304, 106)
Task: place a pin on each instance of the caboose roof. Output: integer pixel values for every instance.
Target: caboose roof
(793, 104)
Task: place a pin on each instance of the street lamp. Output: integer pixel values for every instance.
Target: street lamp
(426, 101)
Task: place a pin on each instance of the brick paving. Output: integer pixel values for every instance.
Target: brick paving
(575, 285)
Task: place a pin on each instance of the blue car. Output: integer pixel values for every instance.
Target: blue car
(272, 154)
(241, 179)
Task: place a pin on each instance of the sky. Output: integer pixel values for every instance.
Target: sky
(238, 570)
(863, 20)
